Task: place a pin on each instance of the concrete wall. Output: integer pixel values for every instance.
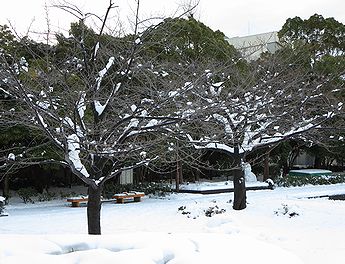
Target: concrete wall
(252, 46)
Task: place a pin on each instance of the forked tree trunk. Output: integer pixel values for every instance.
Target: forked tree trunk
(94, 210)
(239, 184)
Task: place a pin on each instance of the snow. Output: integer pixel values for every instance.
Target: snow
(96, 49)
(133, 107)
(158, 231)
(248, 174)
(11, 156)
(99, 107)
(81, 106)
(104, 71)
(173, 93)
(73, 154)
(312, 171)
(220, 185)
(42, 121)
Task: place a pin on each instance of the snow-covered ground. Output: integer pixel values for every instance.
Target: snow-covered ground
(279, 226)
(218, 185)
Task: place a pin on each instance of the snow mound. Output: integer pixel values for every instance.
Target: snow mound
(146, 248)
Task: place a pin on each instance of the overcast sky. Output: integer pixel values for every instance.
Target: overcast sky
(233, 17)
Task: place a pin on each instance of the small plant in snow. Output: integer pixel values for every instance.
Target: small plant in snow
(188, 213)
(182, 209)
(286, 210)
(211, 211)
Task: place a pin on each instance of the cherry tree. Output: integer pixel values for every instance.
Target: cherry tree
(101, 100)
(260, 105)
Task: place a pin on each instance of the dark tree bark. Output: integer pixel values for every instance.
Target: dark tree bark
(239, 183)
(94, 210)
(180, 171)
(6, 190)
(266, 166)
(177, 180)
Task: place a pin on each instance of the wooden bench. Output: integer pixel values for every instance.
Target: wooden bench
(121, 197)
(77, 200)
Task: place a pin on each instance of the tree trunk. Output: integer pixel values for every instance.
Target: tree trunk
(177, 179)
(94, 210)
(197, 175)
(180, 171)
(266, 166)
(6, 190)
(239, 183)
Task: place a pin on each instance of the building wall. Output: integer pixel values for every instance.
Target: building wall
(252, 46)
(126, 177)
(304, 160)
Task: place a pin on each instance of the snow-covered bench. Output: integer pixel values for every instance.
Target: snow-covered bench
(121, 197)
(77, 200)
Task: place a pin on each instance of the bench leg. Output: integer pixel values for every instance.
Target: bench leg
(75, 204)
(119, 200)
(137, 199)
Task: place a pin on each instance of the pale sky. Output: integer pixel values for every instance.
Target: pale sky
(232, 17)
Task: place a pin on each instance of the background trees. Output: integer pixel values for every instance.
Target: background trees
(321, 41)
(107, 103)
(103, 101)
(73, 101)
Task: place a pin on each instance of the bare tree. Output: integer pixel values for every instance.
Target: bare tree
(102, 103)
(260, 105)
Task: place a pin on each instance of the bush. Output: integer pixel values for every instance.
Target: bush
(310, 179)
(158, 189)
(46, 196)
(287, 211)
(211, 211)
(27, 194)
(64, 195)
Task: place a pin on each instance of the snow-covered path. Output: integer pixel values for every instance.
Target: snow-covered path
(315, 233)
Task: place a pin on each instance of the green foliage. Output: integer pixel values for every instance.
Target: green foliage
(64, 195)
(46, 196)
(322, 35)
(27, 194)
(7, 39)
(320, 42)
(289, 181)
(158, 189)
(186, 40)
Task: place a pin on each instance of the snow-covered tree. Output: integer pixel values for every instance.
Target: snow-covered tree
(266, 102)
(101, 100)
(322, 43)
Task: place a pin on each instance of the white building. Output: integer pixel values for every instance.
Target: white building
(252, 46)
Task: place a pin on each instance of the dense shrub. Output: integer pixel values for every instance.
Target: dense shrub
(46, 196)
(310, 179)
(27, 194)
(158, 189)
